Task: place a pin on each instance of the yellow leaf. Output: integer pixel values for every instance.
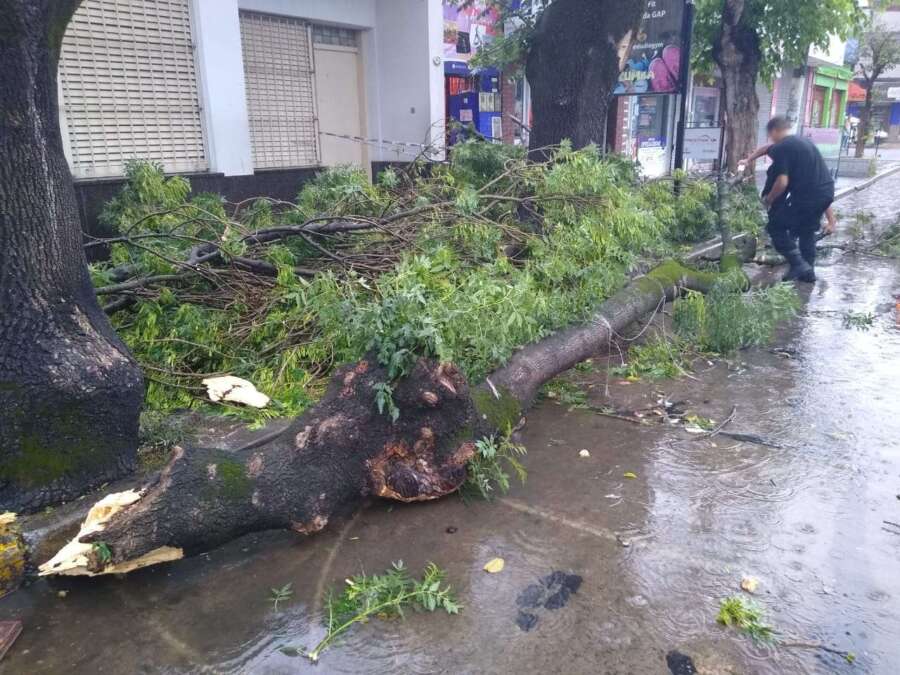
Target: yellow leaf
(494, 566)
(630, 474)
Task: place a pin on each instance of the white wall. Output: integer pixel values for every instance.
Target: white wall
(401, 49)
(348, 13)
(220, 68)
(405, 85)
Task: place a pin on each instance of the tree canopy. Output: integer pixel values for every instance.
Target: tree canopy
(785, 31)
(879, 51)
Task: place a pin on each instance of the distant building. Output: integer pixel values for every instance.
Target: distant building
(886, 111)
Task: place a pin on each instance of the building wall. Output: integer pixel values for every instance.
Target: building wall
(405, 83)
(400, 51)
(402, 90)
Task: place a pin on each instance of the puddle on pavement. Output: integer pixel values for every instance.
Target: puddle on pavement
(653, 555)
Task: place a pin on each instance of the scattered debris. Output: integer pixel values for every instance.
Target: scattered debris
(552, 592)
(12, 554)
(584, 454)
(451, 530)
(859, 320)
(746, 616)
(494, 566)
(749, 584)
(282, 594)
(680, 664)
(385, 596)
(234, 390)
(9, 631)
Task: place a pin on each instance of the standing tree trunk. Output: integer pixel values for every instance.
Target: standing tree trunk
(737, 53)
(573, 65)
(70, 393)
(865, 121)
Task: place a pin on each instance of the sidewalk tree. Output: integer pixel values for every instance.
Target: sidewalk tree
(749, 40)
(573, 53)
(70, 393)
(879, 52)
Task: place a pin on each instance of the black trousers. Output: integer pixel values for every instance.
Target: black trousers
(794, 225)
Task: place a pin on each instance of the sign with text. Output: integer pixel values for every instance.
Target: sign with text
(651, 60)
(702, 144)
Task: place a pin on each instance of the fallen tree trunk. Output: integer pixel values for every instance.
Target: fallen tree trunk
(343, 449)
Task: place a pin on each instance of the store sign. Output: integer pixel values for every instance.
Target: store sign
(652, 64)
(893, 93)
(467, 28)
(702, 145)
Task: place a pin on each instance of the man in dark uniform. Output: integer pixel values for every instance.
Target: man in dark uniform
(799, 191)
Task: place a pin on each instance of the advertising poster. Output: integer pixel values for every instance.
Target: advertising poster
(467, 29)
(653, 64)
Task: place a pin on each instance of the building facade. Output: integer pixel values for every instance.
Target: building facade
(248, 96)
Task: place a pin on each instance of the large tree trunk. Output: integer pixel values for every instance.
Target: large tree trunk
(70, 394)
(736, 51)
(343, 449)
(573, 65)
(865, 121)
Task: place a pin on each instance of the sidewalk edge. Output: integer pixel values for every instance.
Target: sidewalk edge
(846, 192)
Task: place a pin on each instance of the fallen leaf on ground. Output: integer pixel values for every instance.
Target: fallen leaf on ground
(494, 566)
(750, 584)
(630, 474)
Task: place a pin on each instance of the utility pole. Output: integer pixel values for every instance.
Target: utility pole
(687, 31)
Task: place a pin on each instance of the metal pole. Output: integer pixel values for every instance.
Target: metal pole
(687, 30)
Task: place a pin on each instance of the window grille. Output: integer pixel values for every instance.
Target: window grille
(129, 87)
(280, 95)
(332, 35)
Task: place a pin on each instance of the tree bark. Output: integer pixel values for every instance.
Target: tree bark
(865, 121)
(737, 53)
(572, 66)
(343, 450)
(70, 394)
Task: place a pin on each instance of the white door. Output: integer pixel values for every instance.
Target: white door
(340, 109)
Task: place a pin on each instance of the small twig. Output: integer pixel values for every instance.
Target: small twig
(718, 429)
(804, 644)
(616, 416)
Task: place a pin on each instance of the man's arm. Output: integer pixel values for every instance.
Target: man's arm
(778, 189)
(756, 154)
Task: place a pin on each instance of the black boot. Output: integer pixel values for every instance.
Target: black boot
(800, 270)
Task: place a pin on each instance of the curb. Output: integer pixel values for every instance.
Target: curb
(846, 192)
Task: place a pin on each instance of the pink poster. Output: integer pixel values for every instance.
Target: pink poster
(467, 29)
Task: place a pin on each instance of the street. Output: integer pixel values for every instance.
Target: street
(813, 520)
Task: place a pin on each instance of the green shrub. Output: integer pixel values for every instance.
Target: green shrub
(450, 291)
(727, 319)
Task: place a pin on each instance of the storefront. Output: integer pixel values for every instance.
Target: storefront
(827, 103)
(474, 97)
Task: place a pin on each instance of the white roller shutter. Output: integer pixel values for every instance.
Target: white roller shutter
(130, 87)
(278, 73)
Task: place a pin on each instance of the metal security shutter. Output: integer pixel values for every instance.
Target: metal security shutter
(278, 75)
(130, 88)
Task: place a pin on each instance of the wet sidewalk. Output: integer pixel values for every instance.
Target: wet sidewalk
(656, 553)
